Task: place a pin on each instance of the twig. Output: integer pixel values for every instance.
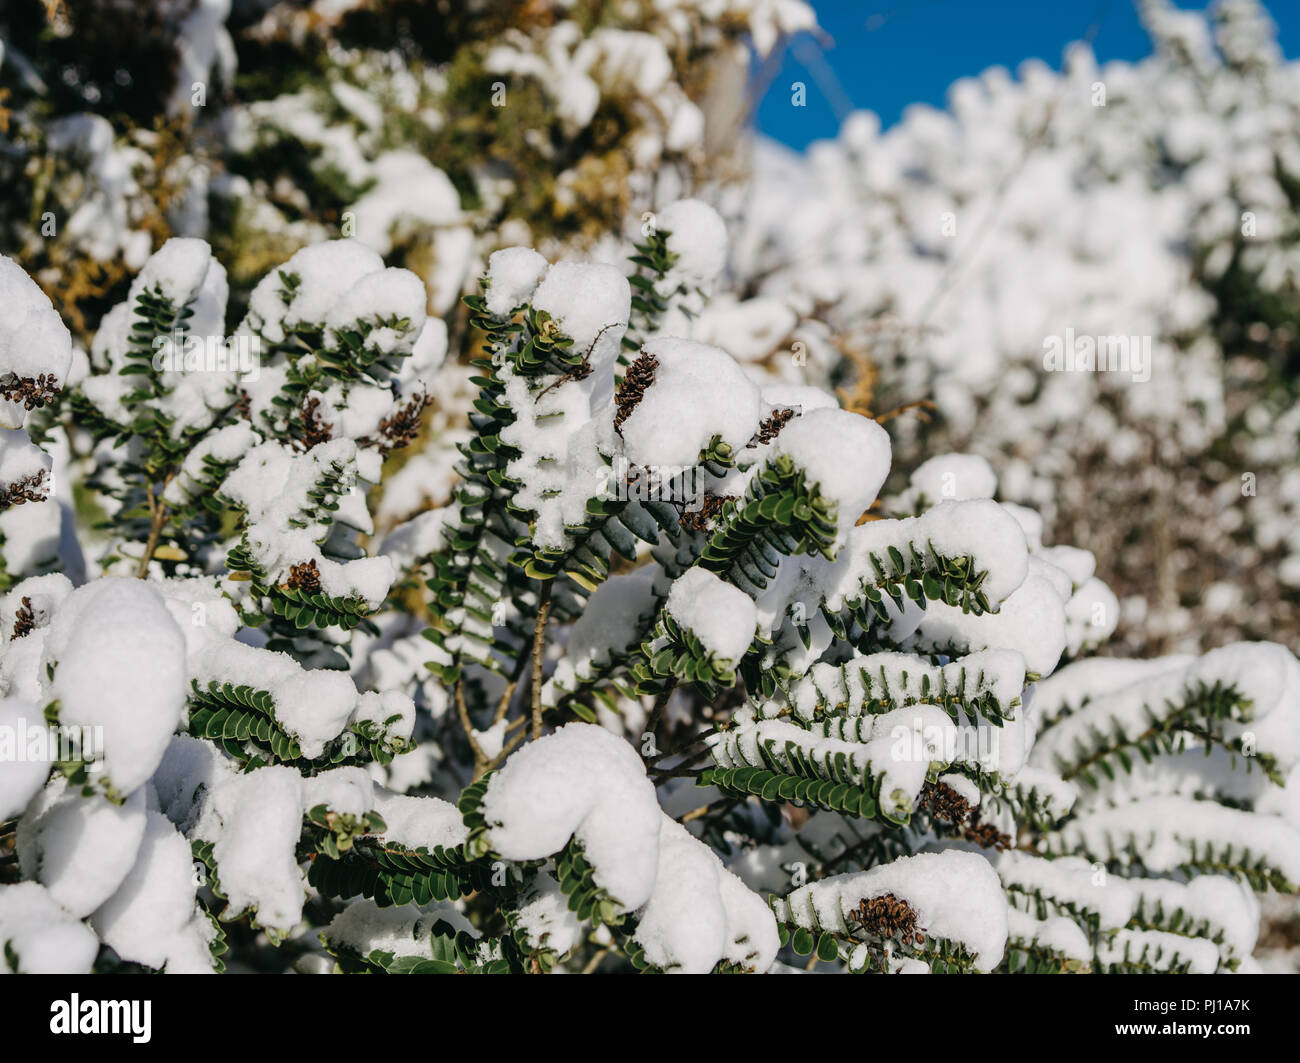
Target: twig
(661, 702)
(920, 405)
(681, 771)
(539, 647)
(508, 748)
(157, 518)
(699, 740)
(480, 758)
(583, 369)
(507, 695)
(704, 810)
(503, 705)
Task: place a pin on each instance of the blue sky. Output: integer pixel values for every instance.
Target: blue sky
(889, 53)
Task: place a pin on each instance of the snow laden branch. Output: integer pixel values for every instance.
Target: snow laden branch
(677, 679)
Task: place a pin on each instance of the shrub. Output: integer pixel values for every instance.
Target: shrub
(665, 686)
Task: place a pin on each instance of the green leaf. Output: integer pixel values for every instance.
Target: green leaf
(827, 949)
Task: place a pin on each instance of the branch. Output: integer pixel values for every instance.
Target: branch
(661, 703)
(480, 758)
(157, 519)
(539, 646)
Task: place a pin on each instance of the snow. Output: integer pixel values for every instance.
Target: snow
(559, 435)
(79, 848)
(617, 616)
(364, 927)
(1065, 690)
(513, 275)
(227, 445)
(190, 769)
(200, 610)
(721, 616)
(152, 918)
(313, 706)
(31, 535)
(850, 240)
(949, 476)
(1168, 832)
(1065, 883)
(43, 595)
(33, 339)
(955, 894)
(429, 351)
(1157, 949)
(771, 20)
(1031, 621)
(408, 191)
(846, 455)
(1222, 904)
(44, 936)
(21, 459)
(21, 674)
(751, 330)
(697, 235)
(799, 397)
(890, 753)
(346, 791)
(897, 678)
(589, 302)
(584, 783)
(1056, 934)
(100, 225)
(1264, 674)
(1045, 788)
(415, 822)
(382, 295)
(327, 271)
(698, 392)
(23, 774)
(699, 913)
(627, 60)
(977, 528)
(1058, 578)
(175, 271)
(255, 821)
(381, 707)
(1030, 521)
(563, 431)
(1079, 565)
(204, 52)
(272, 483)
(545, 918)
(119, 662)
(1091, 616)
(963, 786)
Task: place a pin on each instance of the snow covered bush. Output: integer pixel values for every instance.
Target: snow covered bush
(439, 132)
(434, 132)
(1155, 200)
(666, 685)
(106, 108)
